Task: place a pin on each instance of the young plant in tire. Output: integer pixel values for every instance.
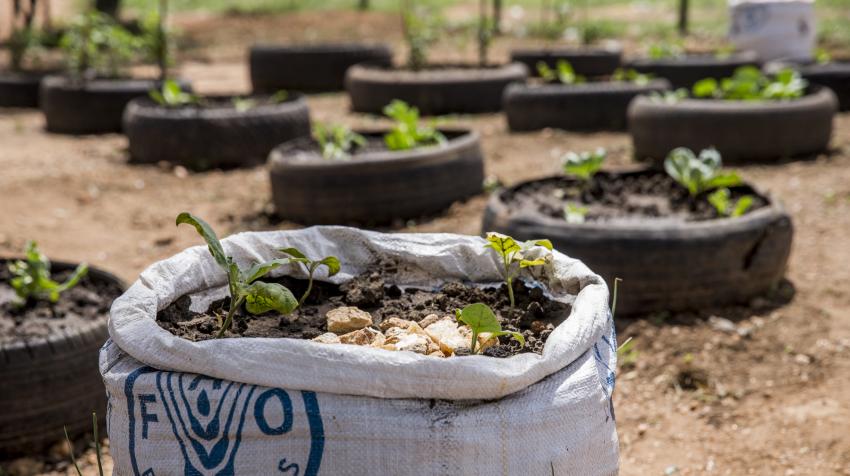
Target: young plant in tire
(563, 73)
(631, 76)
(701, 173)
(337, 141)
(330, 262)
(513, 256)
(407, 132)
(244, 284)
(31, 277)
(172, 95)
(481, 319)
(721, 200)
(583, 165)
(96, 46)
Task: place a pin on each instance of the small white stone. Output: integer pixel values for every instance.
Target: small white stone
(366, 336)
(327, 338)
(449, 336)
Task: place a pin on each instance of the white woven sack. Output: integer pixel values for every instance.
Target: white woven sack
(774, 29)
(287, 406)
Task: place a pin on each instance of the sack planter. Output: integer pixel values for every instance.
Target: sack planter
(683, 72)
(310, 68)
(214, 133)
(587, 106)
(438, 89)
(376, 185)
(49, 365)
(20, 89)
(743, 131)
(92, 106)
(258, 405)
(590, 62)
(641, 227)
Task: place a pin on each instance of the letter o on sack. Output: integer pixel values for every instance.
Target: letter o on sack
(286, 411)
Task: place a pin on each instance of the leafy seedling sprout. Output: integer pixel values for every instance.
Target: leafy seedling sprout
(480, 318)
(563, 73)
(748, 83)
(721, 200)
(244, 285)
(337, 141)
(631, 76)
(172, 95)
(407, 132)
(699, 174)
(331, 262)
(31, 277)
(512, 255)
(574, 213)
(584, 165)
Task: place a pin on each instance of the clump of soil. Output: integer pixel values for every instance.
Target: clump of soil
(535, 315)
(623, 197)
(88, 301)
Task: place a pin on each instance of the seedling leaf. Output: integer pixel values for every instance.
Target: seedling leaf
(205, 230)
(480, 318)
(263, 297)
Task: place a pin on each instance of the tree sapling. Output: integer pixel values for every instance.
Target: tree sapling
(512, 256)
(244, 285)
(31, 277)
(480, 319)
(331, 262)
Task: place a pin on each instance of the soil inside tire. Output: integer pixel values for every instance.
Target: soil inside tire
(88, 301)
(620, 198)
(308, 149)
(535, 315)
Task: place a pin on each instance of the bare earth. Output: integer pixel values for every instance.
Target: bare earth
(772, 394)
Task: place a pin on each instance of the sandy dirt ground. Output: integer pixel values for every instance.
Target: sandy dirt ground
(768, 395)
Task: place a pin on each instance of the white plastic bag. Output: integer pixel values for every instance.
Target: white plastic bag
(774, 29)
(286, 406)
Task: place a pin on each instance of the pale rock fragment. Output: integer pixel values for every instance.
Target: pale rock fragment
(343, 320)
(327, 338)
(365, 336)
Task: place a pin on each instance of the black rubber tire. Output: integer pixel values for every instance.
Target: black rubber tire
(684, 72)
(589, 62)
(835, 76)
(742, 131)
(94, 107)
(376, 188)
(670, 267)
(466, 90)
(310, 68)
(20, 89)
(574, 107)
(207, 138)
(51, 383)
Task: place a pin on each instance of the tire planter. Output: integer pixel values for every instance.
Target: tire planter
(580, 107)
(219, 136)
(835, 76)
(375, 187)
(53, 382)
(664, 266)
(441, 90)
(310, 68)
(684, 72)
(743, 131)
(20, 89)
(590, 62)
(269, 405)
(94, 107)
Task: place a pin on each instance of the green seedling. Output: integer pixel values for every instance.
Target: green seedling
(699, 174)
(512, 255)
(822, 56)
(574, 213)
(748, 83)
(480, 319)
(584, 165)
(97, 451)
(172, 95)
(669, 97)
(407, 132)
(279, 96)
(631, 76)
(31, 277)
(722, 201)
(563, 73)
(337, 141)
(665, 51)
(244, 285)
(243, 104)
(330, 262)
